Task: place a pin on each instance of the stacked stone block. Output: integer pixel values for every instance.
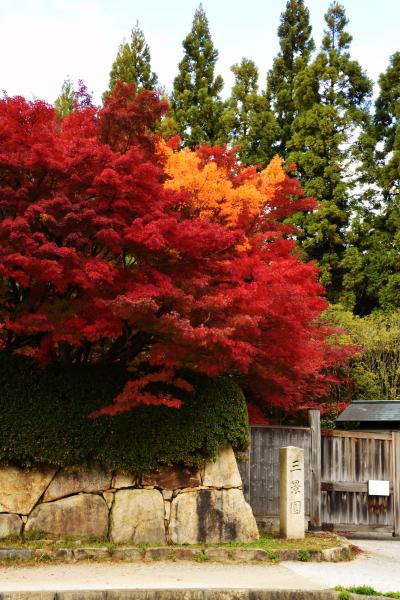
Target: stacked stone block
(176, 505)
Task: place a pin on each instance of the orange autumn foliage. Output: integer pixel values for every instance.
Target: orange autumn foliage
(211, 191)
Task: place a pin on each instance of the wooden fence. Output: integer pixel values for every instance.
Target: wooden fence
(338, 466)
(260, 473)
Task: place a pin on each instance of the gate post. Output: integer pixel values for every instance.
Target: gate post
(396, 481)
(314, 417)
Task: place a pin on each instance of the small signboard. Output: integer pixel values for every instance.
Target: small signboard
(378, 488)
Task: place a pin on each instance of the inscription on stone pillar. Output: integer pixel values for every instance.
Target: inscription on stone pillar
(291, 469)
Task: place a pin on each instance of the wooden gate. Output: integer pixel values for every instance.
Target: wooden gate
(349, 459)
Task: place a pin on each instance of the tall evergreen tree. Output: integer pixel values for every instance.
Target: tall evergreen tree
(71, 99)
(196, 101)
(250, 122)
(387, 125)
(64, 103)
(296, 45)
(332, 98)
(133, 63)
(375, 255)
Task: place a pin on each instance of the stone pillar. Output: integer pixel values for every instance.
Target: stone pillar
(291, 486)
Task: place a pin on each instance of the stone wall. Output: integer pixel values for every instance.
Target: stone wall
(176, 505)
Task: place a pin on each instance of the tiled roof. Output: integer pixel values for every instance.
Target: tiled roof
(371, 410)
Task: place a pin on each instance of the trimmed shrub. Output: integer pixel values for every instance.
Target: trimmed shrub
(44, 419)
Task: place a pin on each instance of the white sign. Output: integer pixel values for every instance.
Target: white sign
(378, 488)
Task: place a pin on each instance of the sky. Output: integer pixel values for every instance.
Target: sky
(42, 42)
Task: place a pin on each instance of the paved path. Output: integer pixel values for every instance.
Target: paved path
(378, 567)
(104, 576)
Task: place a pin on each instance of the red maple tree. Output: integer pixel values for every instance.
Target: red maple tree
(99, 261)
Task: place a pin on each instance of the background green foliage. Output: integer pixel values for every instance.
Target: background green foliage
(375, 370)
(43, 419)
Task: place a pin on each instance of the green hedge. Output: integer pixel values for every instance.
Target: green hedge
(43, 419)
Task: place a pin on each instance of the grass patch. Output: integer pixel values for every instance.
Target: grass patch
(304, 555)
(37, 542)
(267, 542)
(272, 555)
(201, 557)
(171, 556)
(363, 590)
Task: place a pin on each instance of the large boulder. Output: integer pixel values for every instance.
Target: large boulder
(83, 515)
(137, 517)
(10, 526)
(211, 516)
(224, 472)
(89, 480)
(21, 490)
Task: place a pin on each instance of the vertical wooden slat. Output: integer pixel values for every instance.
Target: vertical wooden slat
(263, 467)
(244, 470)
(396, 480)
(314, 417)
